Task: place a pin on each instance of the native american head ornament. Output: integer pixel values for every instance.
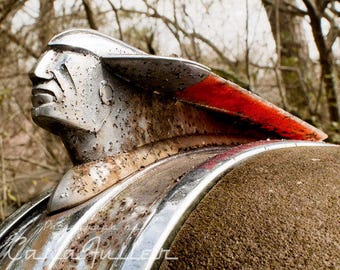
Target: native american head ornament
(118, 109)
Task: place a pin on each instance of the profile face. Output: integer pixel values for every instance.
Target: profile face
(65, 93)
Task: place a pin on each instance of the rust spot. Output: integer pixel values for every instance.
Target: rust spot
(121, 218)
(84, 181)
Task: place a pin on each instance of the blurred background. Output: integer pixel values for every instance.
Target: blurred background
(287, 51)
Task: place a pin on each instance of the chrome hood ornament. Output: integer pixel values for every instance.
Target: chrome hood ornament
(118, 109)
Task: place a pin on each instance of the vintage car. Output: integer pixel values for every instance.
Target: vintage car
(174, 168)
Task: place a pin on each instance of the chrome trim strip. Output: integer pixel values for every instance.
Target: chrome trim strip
(149, 246)
(52, 236)
(13, 220)
(107, 195)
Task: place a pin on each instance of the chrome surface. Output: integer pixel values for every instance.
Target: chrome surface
(132, 224)
(85, 91)
(155, 73)
(109, 101)
(92, 41)
(107, 224)
(84, 181)
(152, 244)
(27, 210)
(135, 153)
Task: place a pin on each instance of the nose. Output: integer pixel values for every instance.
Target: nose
(43, 70)
(35, 78)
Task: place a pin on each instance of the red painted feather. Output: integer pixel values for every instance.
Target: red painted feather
(218, 94)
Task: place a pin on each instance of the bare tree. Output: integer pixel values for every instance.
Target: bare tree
(317, 10)
(89, 14)
(46, 12)
(303, 95)
(292, 56)
(178, 25)
(29, 163)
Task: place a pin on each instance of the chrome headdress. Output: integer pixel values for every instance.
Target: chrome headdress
(118, 109)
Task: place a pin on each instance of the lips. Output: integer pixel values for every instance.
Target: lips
(42, 96)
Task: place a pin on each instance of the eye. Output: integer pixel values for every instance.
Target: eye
(63, 69)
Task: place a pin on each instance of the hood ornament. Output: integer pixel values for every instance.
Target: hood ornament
(118, 109)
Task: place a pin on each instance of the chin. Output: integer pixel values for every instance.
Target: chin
(56, 122)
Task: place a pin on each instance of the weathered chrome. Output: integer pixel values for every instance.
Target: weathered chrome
(131, 224)
(84, 181)
(108, 223)
(137, 153)
(28, 210)
(101, 96)
(151, 245)
(154, 73)
(92, 41)
(95, 113)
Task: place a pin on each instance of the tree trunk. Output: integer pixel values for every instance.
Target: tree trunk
(293, 56)
(89, 14)
(326, 58)
(46, 30)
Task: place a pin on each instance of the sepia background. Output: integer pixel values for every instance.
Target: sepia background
(287, 51)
